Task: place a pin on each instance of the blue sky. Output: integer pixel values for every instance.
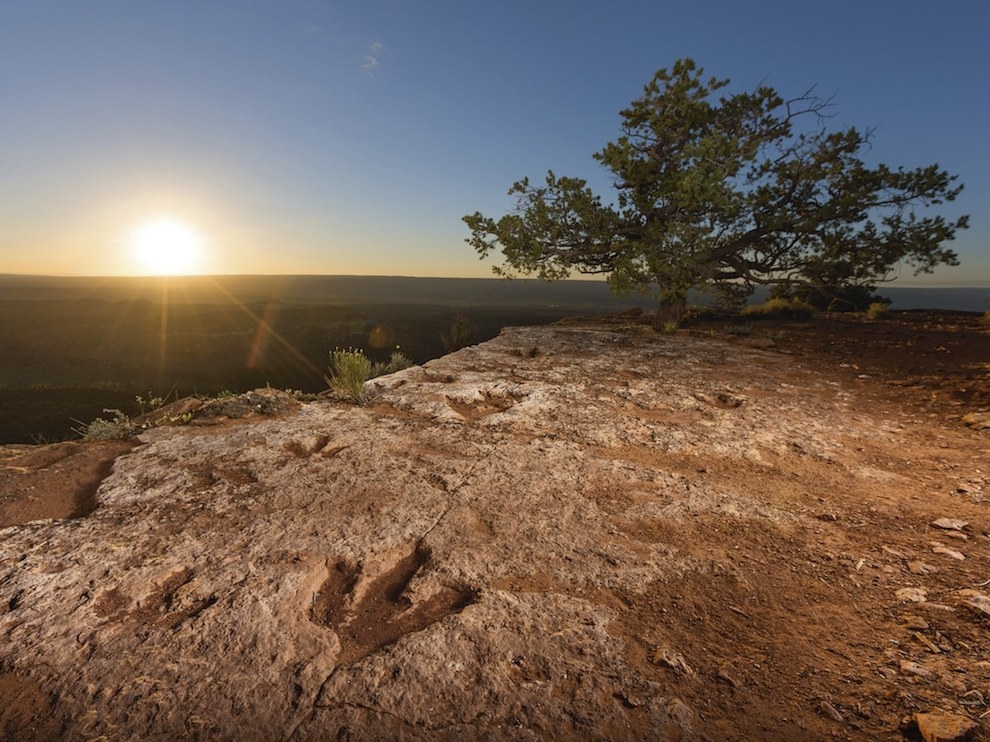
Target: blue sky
(298, 136)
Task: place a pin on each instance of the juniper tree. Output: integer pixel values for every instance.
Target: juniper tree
(726, 193)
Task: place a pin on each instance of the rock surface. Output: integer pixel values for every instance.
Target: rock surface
(566, 532)
(945, 727)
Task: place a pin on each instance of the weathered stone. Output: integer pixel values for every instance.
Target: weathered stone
(977, 420)
(912, 594)
(957, 535)
(946, 727)
(915, 622)
(918, 567)
(950, 524)
(976, 600)
(913, 668)
(832, 712)
(951, 553)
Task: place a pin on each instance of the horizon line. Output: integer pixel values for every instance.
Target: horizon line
(894, 284)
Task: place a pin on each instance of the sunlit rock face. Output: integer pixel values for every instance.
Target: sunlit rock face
(566, 532)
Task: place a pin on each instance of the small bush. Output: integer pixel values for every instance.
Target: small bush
(396, 362)
(149, 404)
(780, 307)
(120, 428)
(832, 294)
(349, 369)
(986, 317)
(460, 335)
(877, 309)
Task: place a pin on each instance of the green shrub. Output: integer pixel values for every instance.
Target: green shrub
(780, 307)
(831, 292)
(150, 404)
(877, 309)
(396, 362)
(120, 428)
(349, 369)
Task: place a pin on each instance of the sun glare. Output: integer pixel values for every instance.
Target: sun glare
(167, 247)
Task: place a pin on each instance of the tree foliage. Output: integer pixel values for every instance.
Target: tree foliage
(727, 193)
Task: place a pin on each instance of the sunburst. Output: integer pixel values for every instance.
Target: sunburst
(167, 247)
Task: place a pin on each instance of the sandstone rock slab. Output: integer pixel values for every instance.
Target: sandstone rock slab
(493, 547)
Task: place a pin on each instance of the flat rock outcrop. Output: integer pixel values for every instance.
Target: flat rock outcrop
(566, 532)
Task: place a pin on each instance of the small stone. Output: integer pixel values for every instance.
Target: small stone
(918, 567)
(631, 700)
(945, 551)
(975, 600)
(938, 607)
(913, 668)
(673, 660)
(915, 622)
(946, 727)
(726, 677)
(977, 420)
(832, 711)
(957, 535)
(950, 524)
(682, 714)
(912, 594)
(188, 405)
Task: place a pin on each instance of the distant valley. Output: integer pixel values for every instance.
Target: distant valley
(71, 347)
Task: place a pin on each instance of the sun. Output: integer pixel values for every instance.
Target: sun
(167, 247)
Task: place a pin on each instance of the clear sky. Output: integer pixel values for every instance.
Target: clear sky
(350, 136)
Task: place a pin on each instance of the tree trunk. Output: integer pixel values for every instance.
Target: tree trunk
(670, 312)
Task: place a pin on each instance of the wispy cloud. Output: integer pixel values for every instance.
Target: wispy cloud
(370, 60)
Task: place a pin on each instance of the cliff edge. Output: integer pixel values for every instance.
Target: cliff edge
(587, 532)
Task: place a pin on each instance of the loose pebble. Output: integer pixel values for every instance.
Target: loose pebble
(912, 594)
(915, 622)
(946, 551)
(975, 600)
(832, 711)
(950, 524)
(918, 567)
(913, 668)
